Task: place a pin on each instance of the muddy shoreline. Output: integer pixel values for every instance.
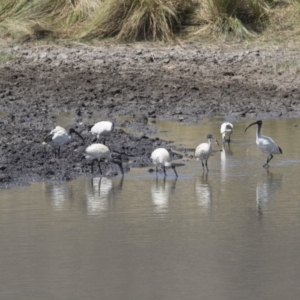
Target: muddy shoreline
(132, 86)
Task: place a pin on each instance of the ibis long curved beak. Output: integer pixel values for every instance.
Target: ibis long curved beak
(255, 123)
(217, 142)
(74, 131)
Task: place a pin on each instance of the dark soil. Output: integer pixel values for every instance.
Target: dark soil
(89, 84)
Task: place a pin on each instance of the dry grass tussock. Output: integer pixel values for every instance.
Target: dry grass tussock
(150, 20)
(45, 18)
(136, 20)
(239, 18)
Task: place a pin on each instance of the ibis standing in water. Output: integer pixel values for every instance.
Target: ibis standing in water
(204, 151)
(265, 143)
(161, 156)
(100, 153)
(226, 131)
(103, 128)
(58, 137)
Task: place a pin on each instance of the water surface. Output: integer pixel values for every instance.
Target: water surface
(229, 234)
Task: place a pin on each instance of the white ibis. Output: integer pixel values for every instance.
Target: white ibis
(226, 131)
(103, 128)
(59, 136)
(161, 156)
(99, 153)
(265, 143)
(204, 151)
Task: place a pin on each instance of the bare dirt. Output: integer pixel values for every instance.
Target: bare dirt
(132, 86)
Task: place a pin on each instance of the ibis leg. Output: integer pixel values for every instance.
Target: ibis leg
(92, 165)
(268, 160)
(99, 167)
(266, 165)
(206, 166)
(165, 171)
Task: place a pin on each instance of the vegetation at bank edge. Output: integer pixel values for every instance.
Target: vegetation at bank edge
(149, 20)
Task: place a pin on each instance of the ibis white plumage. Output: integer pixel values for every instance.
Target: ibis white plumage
(59, 136)
(204, 151)
(161, 156)
(265, 143)
(100, 153)
(226, 131)
(102, 129)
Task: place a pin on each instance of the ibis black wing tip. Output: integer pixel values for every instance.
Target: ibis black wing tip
(280, 150)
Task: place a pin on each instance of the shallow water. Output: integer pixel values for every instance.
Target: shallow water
(231, 234)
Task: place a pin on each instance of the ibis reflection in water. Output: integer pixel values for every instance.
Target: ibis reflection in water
(265, 143)
(266, 190)
(203, 192)
(59, 193)
(226, 154)
(101, 194)
(160, 193)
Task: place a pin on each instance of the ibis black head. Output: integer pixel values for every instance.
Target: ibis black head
(211, 137)
(72, 130)
(48, 138)
(259, 123)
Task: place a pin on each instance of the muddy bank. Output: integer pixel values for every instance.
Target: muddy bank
(44, 86)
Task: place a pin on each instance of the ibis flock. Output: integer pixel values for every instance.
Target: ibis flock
(100, 153)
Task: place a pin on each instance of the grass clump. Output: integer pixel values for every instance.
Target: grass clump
(63, 17)
(262, 21)
(39, 19)
(136, 20)
(239, 18)
(12, 8)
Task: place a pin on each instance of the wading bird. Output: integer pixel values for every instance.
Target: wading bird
(204, 151)
(265, 143)
(100, 153)
(58, 137)
(161, 156)
(103, 128)
(226, 131)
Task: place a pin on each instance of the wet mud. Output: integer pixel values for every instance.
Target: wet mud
(133, 86)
